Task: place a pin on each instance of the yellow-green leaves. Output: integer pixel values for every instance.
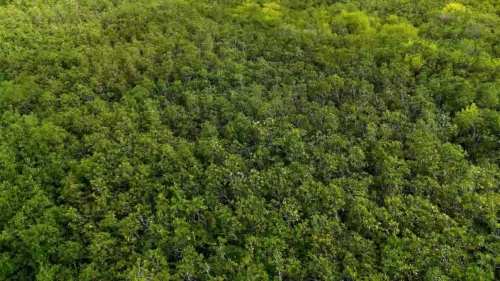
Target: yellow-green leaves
(469, 117)
(352, 22)
(454, 7)
(268, 14)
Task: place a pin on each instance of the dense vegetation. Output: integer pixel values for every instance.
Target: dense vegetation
(257, 140)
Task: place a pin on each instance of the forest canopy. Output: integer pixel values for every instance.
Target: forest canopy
(249, 140)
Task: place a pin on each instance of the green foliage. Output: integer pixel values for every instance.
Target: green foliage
(249, 140)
